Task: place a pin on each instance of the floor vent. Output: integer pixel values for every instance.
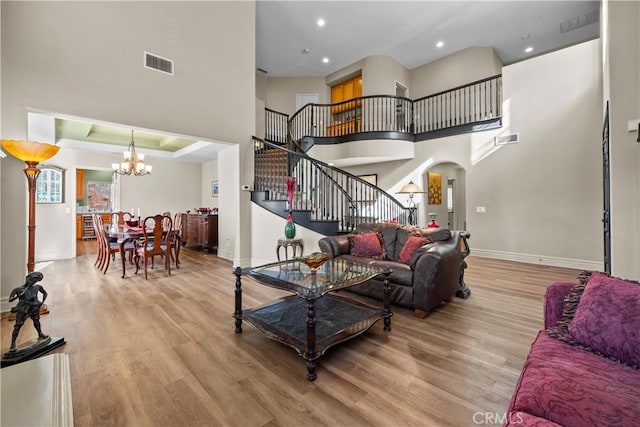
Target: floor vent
(158, 63)
(512, 138)
(580, 21)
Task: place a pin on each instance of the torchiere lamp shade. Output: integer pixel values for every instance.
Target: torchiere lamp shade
(30, 151)
(410, 188)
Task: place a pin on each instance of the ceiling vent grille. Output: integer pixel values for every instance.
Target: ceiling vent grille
(580, 21)
(158, 63)
(512, 138)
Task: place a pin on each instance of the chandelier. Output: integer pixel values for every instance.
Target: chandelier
(133, 162)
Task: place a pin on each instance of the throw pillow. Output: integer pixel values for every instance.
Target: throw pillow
(410, 248)
(369, 245)
(602, 315)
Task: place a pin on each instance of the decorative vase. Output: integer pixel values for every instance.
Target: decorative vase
(433, 223)
(290, 228)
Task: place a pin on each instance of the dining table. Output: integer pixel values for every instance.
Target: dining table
(124, 234)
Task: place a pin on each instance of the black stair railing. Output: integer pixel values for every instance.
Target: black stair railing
(328, 193)
(276, 126)
(471, 103)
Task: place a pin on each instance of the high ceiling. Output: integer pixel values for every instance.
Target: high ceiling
(409, 30)
(405, 30)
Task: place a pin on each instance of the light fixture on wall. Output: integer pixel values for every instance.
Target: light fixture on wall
(133, 162)
(31, 153)
(411, 189)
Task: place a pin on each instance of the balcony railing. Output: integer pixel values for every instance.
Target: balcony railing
(386, 116)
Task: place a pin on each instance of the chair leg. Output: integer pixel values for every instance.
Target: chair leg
(145, 266)
(108, 262)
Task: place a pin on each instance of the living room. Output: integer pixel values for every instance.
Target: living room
(543, 196)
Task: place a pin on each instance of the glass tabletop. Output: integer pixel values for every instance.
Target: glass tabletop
(294, 275)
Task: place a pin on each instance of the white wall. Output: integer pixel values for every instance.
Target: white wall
(267, 229)
(281, 92)
(460, 68)
(85, 59)
(622, 90)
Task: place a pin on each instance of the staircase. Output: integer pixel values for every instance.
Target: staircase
(326, 199)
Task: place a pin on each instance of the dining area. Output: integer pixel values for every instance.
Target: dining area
(138, 242)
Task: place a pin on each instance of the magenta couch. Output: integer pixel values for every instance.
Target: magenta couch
(574, 384)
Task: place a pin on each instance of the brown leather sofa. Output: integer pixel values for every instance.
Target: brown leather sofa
(433, 276)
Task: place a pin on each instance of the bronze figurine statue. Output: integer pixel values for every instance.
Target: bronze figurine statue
(28, 305)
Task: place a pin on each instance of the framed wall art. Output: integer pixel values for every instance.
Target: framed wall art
(214, 188)
(435, 188)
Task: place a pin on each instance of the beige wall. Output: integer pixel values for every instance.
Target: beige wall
(460, 68)
(209, 174)
(85, 59)
(622, 85)
(281, 92)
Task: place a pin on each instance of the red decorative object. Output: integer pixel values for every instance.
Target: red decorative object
(291, 187)
(433, 224)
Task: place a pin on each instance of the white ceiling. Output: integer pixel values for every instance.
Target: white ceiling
(404, 30)
(408, 31)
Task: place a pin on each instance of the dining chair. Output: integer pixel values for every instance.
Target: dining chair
(99, 255)
(156, 243)
(109, 249)
(176, 238)
(120, 217)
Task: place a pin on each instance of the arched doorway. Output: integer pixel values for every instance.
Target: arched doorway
(451, 180)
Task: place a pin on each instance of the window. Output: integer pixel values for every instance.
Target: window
(50, 185)
(450, 195)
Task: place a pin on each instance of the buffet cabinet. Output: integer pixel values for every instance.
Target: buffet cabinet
(202, 231)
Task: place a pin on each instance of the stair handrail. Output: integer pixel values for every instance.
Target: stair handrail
(322, 167)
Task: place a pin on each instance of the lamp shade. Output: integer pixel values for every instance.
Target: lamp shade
(410, 188)
(30, 151)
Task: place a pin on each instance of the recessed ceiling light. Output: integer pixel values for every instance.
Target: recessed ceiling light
(325, 60)
(524, 36)
(320, 22)
(440, 44)
(529, 49)
(305, 50)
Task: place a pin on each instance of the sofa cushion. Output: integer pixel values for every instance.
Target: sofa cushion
(602, 315)
(410, 247)
(572, 387)
(435, 234)
(368, 245)
(401, 274)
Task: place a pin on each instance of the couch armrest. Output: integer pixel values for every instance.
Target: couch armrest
(436, 273)
(554, 302)
(335, 245)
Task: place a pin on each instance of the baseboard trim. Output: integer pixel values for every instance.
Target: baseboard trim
(225, 254)
(578, 264)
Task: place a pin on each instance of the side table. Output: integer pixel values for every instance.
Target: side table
(294, 244)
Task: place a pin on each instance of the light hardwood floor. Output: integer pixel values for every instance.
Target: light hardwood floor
(164, 352)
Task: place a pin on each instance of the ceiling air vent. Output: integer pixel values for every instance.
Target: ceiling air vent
(580, 21)
(512, 138)
(158, 63)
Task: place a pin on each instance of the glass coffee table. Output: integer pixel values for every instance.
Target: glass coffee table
(313, 318)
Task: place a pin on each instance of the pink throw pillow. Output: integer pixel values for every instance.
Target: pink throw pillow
(367, 245)
(411, 246)
(607, 318)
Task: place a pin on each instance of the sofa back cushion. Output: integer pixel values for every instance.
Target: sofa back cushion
(602, 315)
(369, 245)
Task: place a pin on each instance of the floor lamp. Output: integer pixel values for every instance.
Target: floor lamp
(411, 189)
(31, 153)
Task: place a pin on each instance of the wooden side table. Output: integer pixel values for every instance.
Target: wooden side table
(294, 244)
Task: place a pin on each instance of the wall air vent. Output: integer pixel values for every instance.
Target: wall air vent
(158, 63)
(580, 21)
(512, 138)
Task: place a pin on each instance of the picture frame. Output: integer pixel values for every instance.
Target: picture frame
(371, 179)
(215, 188)
(435, 188)
(367, 195)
